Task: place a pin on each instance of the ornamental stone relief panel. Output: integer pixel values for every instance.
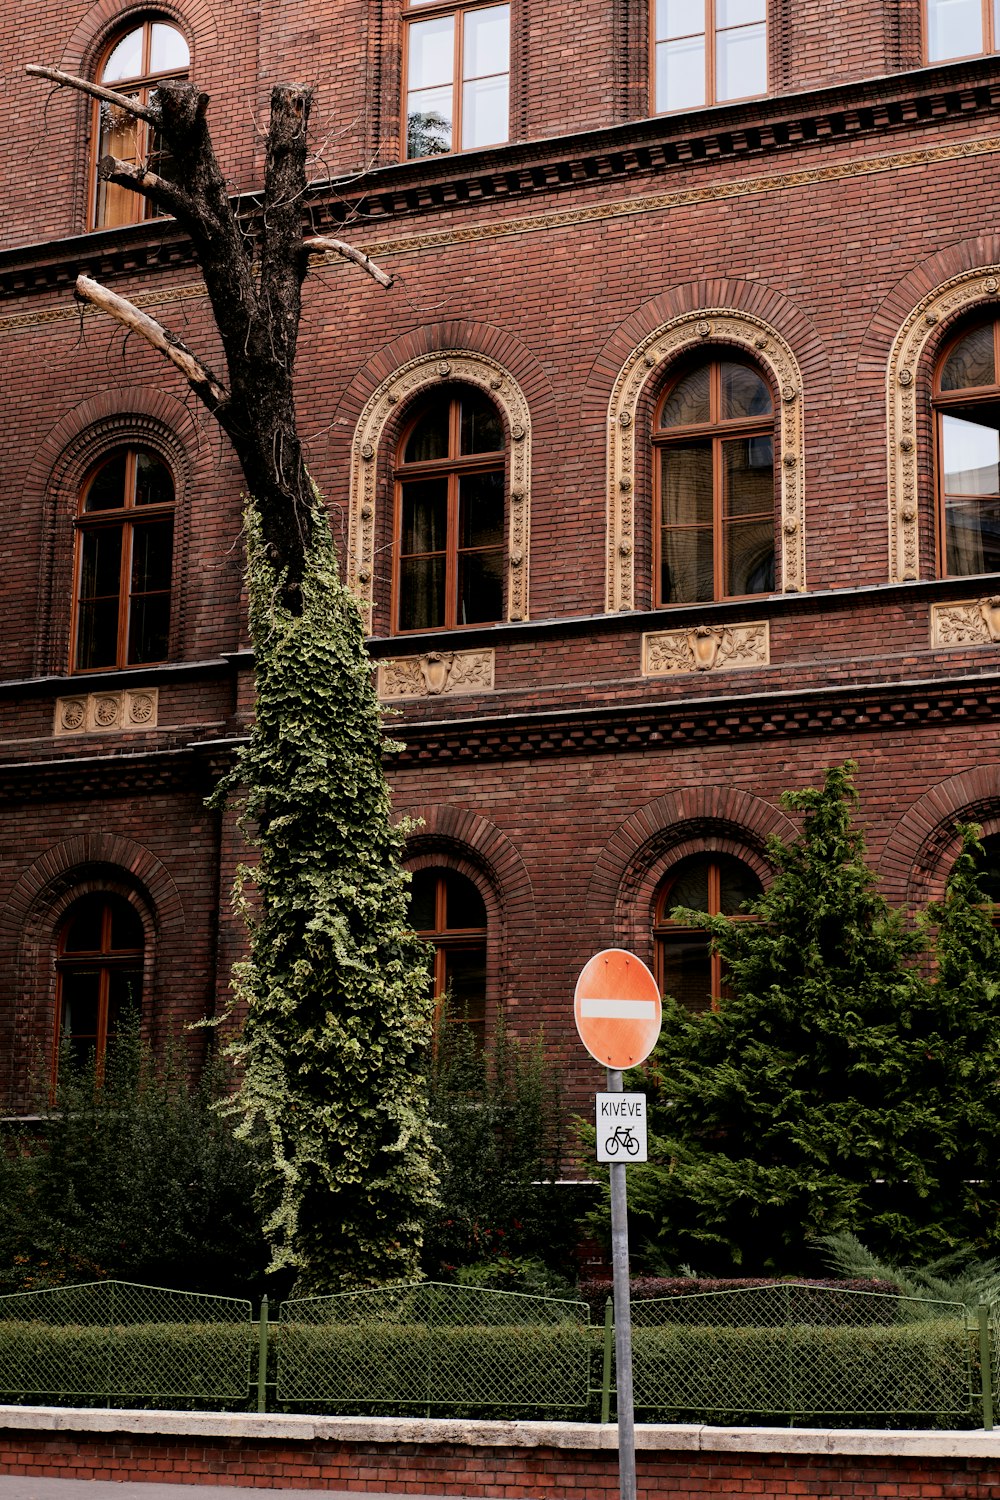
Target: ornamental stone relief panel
(103, 713)
(943, 303)
(969, 622)
(715, 325)
(434, 673)
(409, 380)
(706, 648)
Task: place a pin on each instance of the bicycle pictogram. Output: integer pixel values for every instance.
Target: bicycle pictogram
(621, 1137)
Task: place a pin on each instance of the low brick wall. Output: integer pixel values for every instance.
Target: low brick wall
(513, 1460)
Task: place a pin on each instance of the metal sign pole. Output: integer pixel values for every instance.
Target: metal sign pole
(623, 1317)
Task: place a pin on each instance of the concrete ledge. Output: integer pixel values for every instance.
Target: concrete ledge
(444, 1431)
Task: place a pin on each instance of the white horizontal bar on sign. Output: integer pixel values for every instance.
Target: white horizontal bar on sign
(618, 1010)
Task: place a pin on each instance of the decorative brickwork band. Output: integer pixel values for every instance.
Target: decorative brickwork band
(453, 366)
(100, 713)
(923, 324)
(437, 672)
(714, 325)
(706, 648)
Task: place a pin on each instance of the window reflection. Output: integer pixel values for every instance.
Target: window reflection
(969, 454)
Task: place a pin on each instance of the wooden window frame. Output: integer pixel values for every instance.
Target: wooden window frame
(991, 36)
(430, 11)
(710, 33)
(718, 431)
(106, 959)
(665, 930)
(454, 467)
(127, 517)
(142, 85)
(447, 940)
(942, 401)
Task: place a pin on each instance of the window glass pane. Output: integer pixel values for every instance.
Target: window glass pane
(422, 894)
(151, 556)
(989, 867)
(748, 477)
(971, 362)
(741, 63)
(428, 122)
(687, 569)
(686, 484)
(125, 59)
(124, 995)
(679, 18)
(429, 438)
(972, 536)
(106, 490)
(689, 886)
(480, 587)
(484, 112)
(81, 992)
(431, 59)
(744, 393)
(485, 42)
(168, 49)
(425, 515)
(100, 574)
(154, 483)
(480, 517)
(465, 982)
(680, 75)
(97, 635)
(737, 885)
(739, 12)
(687, 971)
(148, 628)
(126, 927)
(954, 28)
(464, 905)
(482, 429)
(971, 452)
(82, 933)
(750, 557)
(688, 401)
(421, 593)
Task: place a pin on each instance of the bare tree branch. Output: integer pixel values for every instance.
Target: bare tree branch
(120, 101)
(318, 243)
(198, 375)
(147, 183)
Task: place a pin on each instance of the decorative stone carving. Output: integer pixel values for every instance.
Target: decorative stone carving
(99, 713)
(706, 648)
(902, 393)
(969, 622)
(437, 672)
(470, 369)
(725, 326)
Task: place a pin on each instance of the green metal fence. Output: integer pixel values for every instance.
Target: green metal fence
(430, 1345)
(792, 1350)
(117, 1343)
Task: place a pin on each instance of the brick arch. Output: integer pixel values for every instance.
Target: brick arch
(923, 845)
(911, 324)
(135, 414)
(761, 321)
(690, 820)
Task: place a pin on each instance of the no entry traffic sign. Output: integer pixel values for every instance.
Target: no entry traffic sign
(617, 1009)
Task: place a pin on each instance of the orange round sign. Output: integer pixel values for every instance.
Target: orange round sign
(617, 1009)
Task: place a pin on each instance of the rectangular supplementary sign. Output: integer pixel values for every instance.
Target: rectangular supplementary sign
(621, 1127)
(617, 1010)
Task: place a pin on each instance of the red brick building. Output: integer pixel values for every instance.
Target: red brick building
(667, 472)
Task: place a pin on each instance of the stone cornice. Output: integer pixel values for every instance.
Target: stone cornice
(193, 768)
(59, 685)
(754, 131)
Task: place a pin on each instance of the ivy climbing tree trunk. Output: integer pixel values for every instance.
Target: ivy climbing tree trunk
(338, 1015)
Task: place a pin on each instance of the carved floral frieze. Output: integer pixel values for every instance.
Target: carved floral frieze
(706, 648)
(966, 622)
(102, 713)
(435, 673)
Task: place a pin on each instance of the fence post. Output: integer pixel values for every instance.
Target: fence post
(609, 1339)
(986, 1365)
(262, 1356)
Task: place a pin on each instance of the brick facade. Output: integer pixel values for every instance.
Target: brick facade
(811, 229)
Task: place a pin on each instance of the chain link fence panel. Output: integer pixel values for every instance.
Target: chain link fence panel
(434, 1345)
(115, 1343)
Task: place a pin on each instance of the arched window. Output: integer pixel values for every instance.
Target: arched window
(707, 52)
(447, 910)
(685, 966)
(99, 952)
(135, 63)
(123, 566)
(450, 514)
(713, 439)
(967, 401)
